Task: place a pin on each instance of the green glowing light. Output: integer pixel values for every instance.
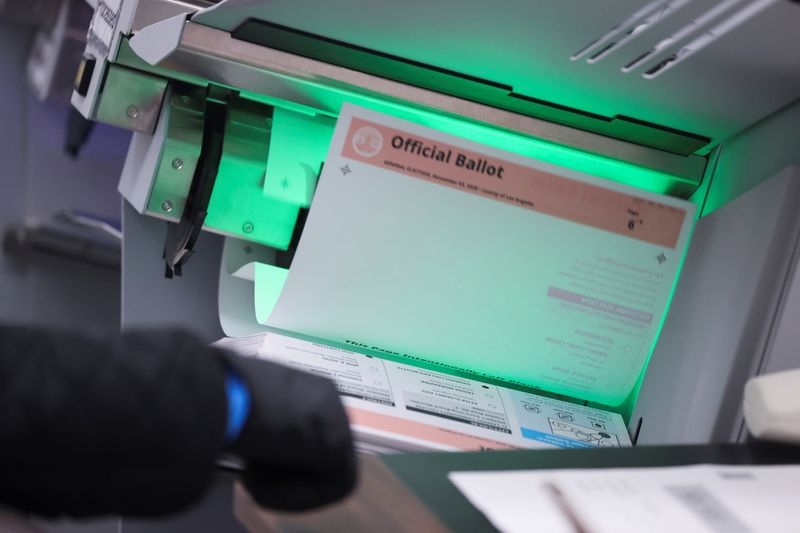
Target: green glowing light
(238, 206)
(601, 166)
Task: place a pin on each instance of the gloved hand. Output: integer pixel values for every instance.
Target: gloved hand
(296, 441)
(135, 425)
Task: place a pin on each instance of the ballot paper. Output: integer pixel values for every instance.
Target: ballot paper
(434, 248)
(697, 499)
(397, 407)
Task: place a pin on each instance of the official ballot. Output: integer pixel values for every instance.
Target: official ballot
(446, 278)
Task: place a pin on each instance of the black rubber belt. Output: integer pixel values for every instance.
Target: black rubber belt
(182, 236)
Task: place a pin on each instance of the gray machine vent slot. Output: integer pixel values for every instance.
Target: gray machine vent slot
(721, 18)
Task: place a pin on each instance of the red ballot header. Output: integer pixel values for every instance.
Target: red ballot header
(511, 183)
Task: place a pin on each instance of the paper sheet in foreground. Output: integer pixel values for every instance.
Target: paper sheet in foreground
(425, 245)
(698, 498)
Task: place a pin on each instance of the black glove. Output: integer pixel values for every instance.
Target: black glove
(296, 442)
(135, 426)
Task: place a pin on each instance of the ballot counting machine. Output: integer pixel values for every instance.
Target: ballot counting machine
(233, 105)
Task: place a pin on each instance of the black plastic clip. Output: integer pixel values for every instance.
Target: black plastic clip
(182, 236)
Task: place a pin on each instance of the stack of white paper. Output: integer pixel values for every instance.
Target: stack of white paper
(398, 407)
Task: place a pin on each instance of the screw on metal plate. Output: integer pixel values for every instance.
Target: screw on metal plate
(185, 100)
(167, 206)
(248, 227)
(177, 164)
(132, 111)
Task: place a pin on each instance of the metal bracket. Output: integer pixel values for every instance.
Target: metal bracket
(131, 99)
